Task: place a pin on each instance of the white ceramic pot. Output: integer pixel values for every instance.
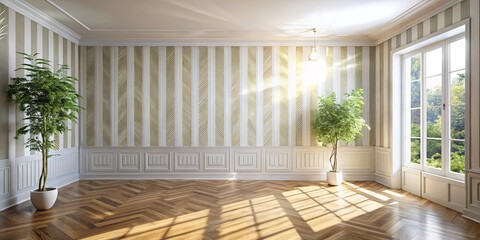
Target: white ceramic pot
(43, 200)
(334, 178)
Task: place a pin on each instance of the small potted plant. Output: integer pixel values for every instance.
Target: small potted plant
(334, 122)
(47, 100)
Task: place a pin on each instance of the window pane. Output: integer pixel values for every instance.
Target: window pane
(434, 153)
(457, 55)
(434, 122)
(434, 62)
(457, 156)
(457, 122)
(457, 87)
(415, 68)
(415, 94)
(415, 150)
(415, 123)
(433, 87)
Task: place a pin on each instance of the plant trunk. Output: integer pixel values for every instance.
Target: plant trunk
(42, 182)
(333, 156)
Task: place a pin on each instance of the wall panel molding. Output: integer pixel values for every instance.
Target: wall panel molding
(472, 208)
(269, 163)
(187, 161)
(307, 160)
(157, 161)
(101, 161)
(5, 178)
(277, 159)
(412, 181)
(247, 160)
(383, 166)
(217, 160)
(443, 191)
(129, 161)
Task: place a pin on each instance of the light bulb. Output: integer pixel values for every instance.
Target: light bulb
(313, 55)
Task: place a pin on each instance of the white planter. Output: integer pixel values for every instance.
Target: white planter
(334, 178)
(43, 200)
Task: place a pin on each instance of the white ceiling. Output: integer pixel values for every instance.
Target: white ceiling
(232, 20)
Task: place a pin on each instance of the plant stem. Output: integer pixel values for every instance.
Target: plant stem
(330, 158)
(43, 176)
(333, 163)
(335, 148)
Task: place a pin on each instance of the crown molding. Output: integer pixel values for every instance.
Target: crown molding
(413, 16)
(343, 42)
(68, 14)
(41, 18)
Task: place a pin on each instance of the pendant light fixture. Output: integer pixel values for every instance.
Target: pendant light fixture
(313, 54)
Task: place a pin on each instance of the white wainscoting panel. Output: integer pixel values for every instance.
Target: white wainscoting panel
(269, 163)
(129, 161)
(277, 159)
(383, 166)
(66, 162)
(4, 178)
(247, 160)
(217, 160)
(185, 161)
(28, 171)
(434, 188)
(445, 191)
(473, 195)
(358, 159)
(101, 161)
(412, 181)
(456, 196)
(308, 159)
(157, 161)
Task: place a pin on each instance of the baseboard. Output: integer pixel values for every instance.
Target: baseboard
(231, 176)
(474, 216)
(384, 180)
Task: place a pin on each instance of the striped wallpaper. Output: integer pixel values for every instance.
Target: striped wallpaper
(25, 35)
(383, 77)
(3, 85)
(215, 95)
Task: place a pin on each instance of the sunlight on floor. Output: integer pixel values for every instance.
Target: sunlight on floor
(320, 207)
(393, 193)
(255, 218)
(184, 226)
(371, 193)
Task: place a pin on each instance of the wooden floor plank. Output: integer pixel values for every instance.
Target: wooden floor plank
(216, 209)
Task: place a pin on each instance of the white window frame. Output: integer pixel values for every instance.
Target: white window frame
(406, 109)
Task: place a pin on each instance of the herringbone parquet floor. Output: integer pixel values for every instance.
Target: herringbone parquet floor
(187, 209)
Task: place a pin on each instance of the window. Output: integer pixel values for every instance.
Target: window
(434, 108)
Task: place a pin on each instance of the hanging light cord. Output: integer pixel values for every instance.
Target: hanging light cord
(313, 54)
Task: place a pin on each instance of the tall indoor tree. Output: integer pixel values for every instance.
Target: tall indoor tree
(339, 121)
(47, 99)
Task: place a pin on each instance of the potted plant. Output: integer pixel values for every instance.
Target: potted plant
(334, 122)
(47, 99)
